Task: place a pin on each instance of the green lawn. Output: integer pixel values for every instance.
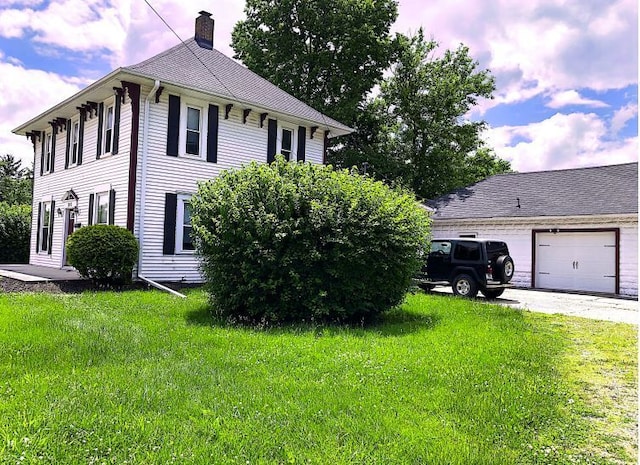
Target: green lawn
(143, 377)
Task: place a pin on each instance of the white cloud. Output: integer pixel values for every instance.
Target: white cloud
(77, 25)
(622, 116)
(538, 46)
(24, 94)
(572, 97)
(562, 141)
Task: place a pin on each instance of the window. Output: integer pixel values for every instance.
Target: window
(286, 146)
(108, 129)
(45, 226)
(47, 152)
(193, 121)
(184, 230)
(440, 248)
(193, 131)
(102, 208)
(75, 138)
(467, 251)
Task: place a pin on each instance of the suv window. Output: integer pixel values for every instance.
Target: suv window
(467, 251)
(495, 249)
(441, 248)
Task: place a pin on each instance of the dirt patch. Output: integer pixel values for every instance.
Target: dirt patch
(55, 287)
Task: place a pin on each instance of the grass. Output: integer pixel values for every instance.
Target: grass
(142, 377)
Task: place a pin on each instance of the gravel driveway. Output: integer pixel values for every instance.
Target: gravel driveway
(621, 310)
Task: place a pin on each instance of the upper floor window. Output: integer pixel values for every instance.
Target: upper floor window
(193, 131)
(286, 142)
(75, 140)
(108, 129)
(48, 144)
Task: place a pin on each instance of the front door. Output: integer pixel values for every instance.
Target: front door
(68, 230)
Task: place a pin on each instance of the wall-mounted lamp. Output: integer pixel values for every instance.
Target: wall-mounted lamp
(59, 211)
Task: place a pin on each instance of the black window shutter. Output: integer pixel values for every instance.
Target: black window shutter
(39, 227)
(170, 207)
(53, 211)
(173, 125)
(302, 142)
(271, 140)
(100, 124)
(116, 125)
(53, 151)
(112, 206)
(68, 150)
(81, 137)
(90, 217)
(212, 134)
(44, 136)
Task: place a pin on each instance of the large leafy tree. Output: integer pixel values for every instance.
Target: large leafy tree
(420, 118)
(327, 53)
(15, 181)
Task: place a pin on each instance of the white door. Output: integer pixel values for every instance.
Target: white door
(577, 261)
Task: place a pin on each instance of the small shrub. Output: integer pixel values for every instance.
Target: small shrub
(103, 253)
(15, 233)
(298, 241)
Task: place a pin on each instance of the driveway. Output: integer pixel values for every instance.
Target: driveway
(621, 310)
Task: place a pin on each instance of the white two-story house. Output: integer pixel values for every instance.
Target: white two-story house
(130, 149)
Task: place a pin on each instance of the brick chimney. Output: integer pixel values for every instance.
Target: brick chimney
(204, 30)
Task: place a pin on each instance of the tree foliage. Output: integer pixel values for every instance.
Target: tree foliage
(15, 228)
(15, 181)
(419, 119)
(327, 53)
(299, 241)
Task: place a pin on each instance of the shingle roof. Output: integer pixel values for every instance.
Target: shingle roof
(212, 72)
(573, 192)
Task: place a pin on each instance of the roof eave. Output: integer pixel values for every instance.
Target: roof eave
(22, 129)
(335, 130)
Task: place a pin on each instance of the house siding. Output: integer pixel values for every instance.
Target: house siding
(238, 144)
(83, 180)
(517, 233)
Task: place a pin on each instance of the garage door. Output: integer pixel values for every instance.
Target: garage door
(578, 261)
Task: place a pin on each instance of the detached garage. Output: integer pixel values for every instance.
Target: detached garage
(571, 229)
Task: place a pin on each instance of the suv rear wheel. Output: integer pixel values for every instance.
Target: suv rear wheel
(464, 286)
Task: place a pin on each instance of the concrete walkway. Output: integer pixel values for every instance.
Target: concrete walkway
(608, 308)
(38, 274)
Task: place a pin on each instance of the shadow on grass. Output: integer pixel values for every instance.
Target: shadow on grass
(396, 322)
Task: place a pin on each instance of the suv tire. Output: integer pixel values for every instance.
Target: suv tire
(491, 294)
(426, 287)
(464, 286)
(505, 268)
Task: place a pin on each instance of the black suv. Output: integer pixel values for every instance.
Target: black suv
(468, 266)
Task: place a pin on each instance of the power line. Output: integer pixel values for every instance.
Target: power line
(192, 52)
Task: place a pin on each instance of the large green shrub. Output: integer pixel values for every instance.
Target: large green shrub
(297, 241)
(15, 233)
(103, 253)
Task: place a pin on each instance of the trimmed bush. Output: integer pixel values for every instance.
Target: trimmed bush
(298, 241)
(15, 233)
(105, 254)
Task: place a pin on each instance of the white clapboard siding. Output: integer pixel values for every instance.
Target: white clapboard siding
(110, 170)
(238, 144)
(518, 236)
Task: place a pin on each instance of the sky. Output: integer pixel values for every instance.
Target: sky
(566, 70)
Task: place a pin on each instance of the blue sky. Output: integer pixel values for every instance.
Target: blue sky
(566, 71)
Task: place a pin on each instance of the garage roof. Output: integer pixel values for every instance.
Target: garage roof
(601, 190)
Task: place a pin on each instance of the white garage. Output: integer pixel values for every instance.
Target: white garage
(574, 230)
(576, 260)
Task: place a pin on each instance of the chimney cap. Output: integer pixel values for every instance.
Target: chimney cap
(204, 13)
